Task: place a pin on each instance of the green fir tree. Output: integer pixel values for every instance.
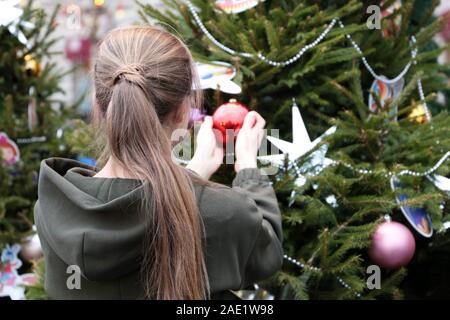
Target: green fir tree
(28, 77)
(331, 86)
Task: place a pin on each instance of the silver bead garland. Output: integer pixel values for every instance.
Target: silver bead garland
(301, 51)
(303, 266)
(307, 47)
(402, 172)
(370, 69)
(210, 36)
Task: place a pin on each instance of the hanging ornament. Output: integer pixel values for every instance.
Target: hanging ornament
(296, 149)
(236, 6)
(229, 118)
(32, 66)
(10, 17)
(218, 76)
(10, 12)
(393, 245)
(72, 16)
(393, 25)
(443, 184)
(440, 182)
(9, 151)
(78, 48)
(300, 145)
(120, 11)
(418, 217)
(384, 91)
(418, 114)
(11, 283)
(31, 248)
(32, 111)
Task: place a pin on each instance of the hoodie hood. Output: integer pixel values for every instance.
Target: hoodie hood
(70, 218)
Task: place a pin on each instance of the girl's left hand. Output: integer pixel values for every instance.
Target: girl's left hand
(208, 154)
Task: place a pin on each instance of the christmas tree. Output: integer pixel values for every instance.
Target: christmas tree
(384, 153)
(32, 121)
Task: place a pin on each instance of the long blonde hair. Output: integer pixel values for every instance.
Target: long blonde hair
(143, 74)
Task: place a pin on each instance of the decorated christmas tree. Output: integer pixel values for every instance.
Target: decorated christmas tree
(367, 200)
(33, 126)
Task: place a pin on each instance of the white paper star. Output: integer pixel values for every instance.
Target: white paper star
(300, 145)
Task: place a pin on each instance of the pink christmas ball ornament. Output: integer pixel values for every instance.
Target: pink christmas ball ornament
(393, 245)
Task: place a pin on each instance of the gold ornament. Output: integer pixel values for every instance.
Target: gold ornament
(418, 114)
(32, 65)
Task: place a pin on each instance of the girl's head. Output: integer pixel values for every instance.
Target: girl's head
(153, 61)
(143, 90)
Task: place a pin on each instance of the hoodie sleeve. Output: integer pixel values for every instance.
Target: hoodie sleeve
(266, 255)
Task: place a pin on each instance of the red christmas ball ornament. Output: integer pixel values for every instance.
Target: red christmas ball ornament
(78, 48)
(393, 245)
(229, 116)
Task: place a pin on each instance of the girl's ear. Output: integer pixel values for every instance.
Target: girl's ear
(180, 115)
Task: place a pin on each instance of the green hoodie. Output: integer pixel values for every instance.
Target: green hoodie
(92, 223)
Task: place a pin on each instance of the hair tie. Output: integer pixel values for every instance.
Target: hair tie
(132, 73)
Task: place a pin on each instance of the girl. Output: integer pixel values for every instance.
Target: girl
(143, 226)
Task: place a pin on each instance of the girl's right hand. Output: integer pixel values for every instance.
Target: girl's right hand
(208, 154)
(248, 141)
